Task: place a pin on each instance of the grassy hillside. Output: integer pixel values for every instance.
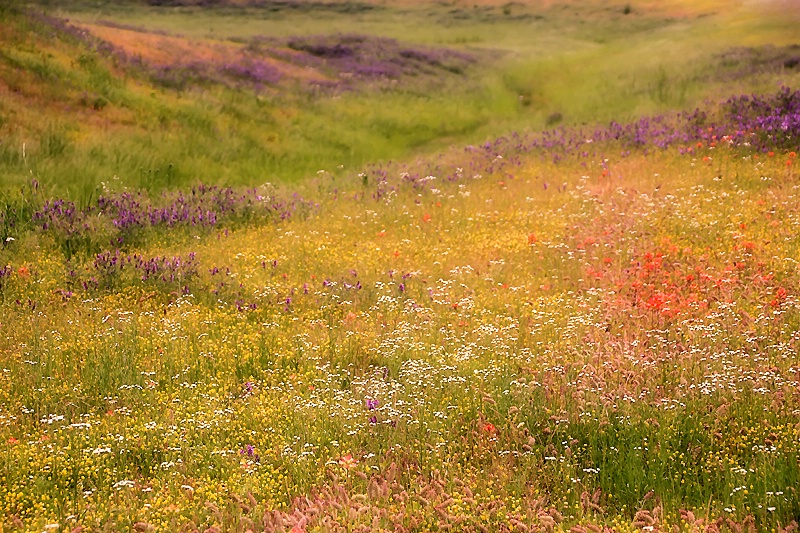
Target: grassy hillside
(162, 97)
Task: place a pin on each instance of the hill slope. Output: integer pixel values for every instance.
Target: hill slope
(161, 97)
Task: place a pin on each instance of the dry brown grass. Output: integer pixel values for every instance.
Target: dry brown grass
(173, 51)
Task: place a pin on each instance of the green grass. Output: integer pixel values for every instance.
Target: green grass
(571, 65)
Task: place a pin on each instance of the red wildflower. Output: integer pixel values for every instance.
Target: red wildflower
(656, 301)
(347, 462)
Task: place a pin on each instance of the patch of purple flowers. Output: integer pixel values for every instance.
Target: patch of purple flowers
(109, 267)
(118, 215)
(752, 123)
(5, 273)
(250, 451)
(367, 57)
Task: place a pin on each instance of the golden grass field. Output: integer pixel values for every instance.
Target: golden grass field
(400, 267)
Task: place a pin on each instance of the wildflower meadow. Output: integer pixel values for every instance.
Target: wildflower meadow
(586, 326)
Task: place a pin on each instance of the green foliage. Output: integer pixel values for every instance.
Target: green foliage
(235, 136)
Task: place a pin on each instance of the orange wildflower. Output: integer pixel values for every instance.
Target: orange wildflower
(347, 462)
